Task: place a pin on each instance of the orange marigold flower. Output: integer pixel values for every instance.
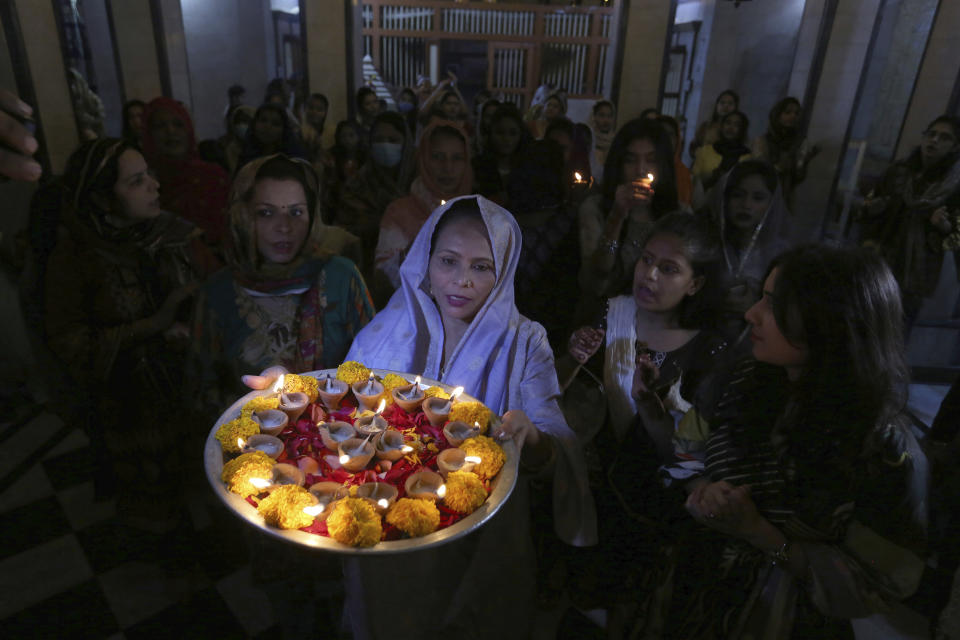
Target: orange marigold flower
(490, 453)
(242, 427)
(292, 383)
(283, 508)
(355, 522)
(470, 412)
(351, 372)
(237, 473)
(435, 392)
(465, 491)
(414, 517)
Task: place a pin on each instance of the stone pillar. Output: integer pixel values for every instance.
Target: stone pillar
(325, 27)
(938, 75)
(644, 43)
(832, 110)
(45, 61)
(136, 49)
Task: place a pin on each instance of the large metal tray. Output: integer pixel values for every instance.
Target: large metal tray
(502, 486)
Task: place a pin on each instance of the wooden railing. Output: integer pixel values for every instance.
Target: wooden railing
(527, 45)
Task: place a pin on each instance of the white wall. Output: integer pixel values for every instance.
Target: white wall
(227, 43)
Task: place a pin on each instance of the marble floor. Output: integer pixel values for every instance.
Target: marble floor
(71, 568)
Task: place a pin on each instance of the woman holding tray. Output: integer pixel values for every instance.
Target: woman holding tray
(454, 319)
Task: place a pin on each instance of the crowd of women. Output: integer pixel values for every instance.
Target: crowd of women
(710, 412)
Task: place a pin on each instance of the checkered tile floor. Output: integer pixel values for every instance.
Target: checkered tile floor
(70, 568)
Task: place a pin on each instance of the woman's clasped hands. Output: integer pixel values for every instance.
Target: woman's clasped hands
(726, 508)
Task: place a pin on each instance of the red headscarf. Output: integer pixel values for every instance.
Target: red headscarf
(189, 187)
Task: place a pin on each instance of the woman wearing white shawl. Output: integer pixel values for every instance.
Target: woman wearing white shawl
(504, 360)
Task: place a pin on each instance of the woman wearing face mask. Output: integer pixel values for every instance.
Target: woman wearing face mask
(785, 147)
(113, 304)
(750, 216)
(444, 173)
(189, 187)
(658, 351)
(615, 222)
(913, 215)
(507, 138)
(385, 177)
(712, 161)
(270, 133)
(284, 298)
(709, 131)
(807, 490)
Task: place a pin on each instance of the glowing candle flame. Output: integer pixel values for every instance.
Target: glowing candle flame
(315, 510)
(260, 483)
(406, 448)
(277, 388)
(241, 443)
(381, 406)
(651, 177)
(456, 393)
(443, 202)
(577, 176)
(473, 459)
(344, 459)
(382, 503)
(416, 382)
(442, 490)
(476, 426)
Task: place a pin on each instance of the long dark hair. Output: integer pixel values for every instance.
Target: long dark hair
(702, 250)
(715, 117)
(776, 132)
(665, 187)
(843, 306)
(128, 133)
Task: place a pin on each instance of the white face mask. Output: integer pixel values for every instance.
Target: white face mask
(240, 130)
(386, 154)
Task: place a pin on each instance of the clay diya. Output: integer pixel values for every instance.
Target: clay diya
(331, 392)
(270, 445)
(355, 454)
(425, 484)
(455, 460)
(409, 397)
(333, 433)
(456, 432)
(381, 495)
(294, 404)
(389, 445)
(368, 393)
(326, 493)
(271, 421)
(283, 473)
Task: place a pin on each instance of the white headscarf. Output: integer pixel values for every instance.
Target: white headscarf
(503, 359)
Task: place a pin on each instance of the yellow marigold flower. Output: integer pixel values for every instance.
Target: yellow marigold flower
(242, 427)
(292, 383)
(355, 522)
(436, 392)
(351, 372)
(283, 508)
(391, 381)
(260, 403)
(237, 473)
(465, 491)
(490, 453)
(414, 517)
(469, 411)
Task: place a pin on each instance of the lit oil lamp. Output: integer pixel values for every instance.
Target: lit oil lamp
(425, 484)
(409, 397)
(355, 454)
(456, 432)
(368, 392)
(437, 409)
(374, 423)
(331, 392)
(455, 460)
(270, 445)
(333, 433)
(380, 494)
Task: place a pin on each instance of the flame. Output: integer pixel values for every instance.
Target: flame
(473, 459)
(416, 381)
(344, 459)
(382, 503)
(443, 202)
(651, 177)
(456, 393)
(476, 425)
(315, 510)
(406, 448)
(577, 176)
(241, 443)
(442, 490)
(260, 483)
(381, 406)
(277, 388)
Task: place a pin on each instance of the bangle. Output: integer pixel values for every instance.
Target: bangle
(611, 246)
(781, 555)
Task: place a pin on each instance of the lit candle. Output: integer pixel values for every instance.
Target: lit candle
(326, 493)
(380, 494)
(414, 390)
(578, 179)
(456, 432)
(278, 387)
(425, 484)
(455, 459)
(355, 454)
(648, 180)
(315, 510)
(260, 483)
(368, 393)
(389, 445)
(409, 397)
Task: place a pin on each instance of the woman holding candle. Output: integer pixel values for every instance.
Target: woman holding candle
(807, 489)
(113, 302)
(285, 296)
(659, 351)
(444, 173)
(638, 187)
(454, 319)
